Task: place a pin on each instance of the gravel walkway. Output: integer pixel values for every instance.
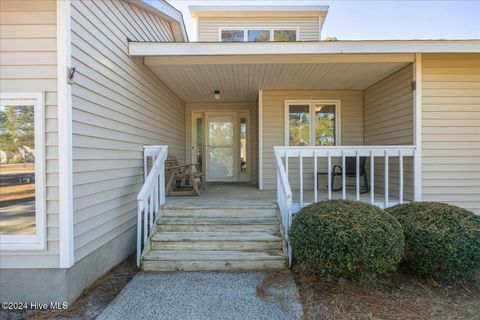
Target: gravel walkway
(207, 295)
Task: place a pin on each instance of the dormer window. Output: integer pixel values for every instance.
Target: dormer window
(258, 34)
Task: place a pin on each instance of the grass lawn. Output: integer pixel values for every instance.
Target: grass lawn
(400, 296)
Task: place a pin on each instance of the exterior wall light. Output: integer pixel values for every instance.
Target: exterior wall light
(216, 94)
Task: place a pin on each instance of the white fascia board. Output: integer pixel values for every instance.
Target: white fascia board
(167, 12)
(243, 11)
(278, 48)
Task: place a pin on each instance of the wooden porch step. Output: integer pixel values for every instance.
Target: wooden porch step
(216, 212)
(218, 240)
(209, 224)
(217, 236)
(167, 260)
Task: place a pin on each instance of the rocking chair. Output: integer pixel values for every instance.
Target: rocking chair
(182, 179)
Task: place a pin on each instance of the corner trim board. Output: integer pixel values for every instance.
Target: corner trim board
(418, 190)
(65, 166)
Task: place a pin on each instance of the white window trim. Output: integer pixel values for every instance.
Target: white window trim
(311, 103)
(37, 241)
(271, 29)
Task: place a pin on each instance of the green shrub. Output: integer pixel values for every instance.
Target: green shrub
(442, 241)
(352, 239)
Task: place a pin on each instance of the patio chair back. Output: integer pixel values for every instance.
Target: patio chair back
(351, 166)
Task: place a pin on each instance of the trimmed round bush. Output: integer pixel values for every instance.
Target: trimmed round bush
(351, 239)
(442, 241)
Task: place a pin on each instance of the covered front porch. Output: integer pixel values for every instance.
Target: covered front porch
(243, 100)
(290, 129)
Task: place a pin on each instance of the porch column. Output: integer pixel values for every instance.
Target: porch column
(417, 105)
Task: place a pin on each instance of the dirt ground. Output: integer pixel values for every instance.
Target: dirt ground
(400, 296)
(93, 300)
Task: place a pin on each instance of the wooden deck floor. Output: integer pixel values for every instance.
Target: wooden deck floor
(245, 195)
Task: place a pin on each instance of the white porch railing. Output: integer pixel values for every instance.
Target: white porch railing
(284, 192)
(152, 194)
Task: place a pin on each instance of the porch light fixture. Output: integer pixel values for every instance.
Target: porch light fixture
(216, 94)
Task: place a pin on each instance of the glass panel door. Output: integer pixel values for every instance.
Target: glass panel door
(221, 158)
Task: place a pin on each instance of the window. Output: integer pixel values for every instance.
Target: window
(312, 123)
(21, 171)
(284, 35)
(232, 35)
(258, 34)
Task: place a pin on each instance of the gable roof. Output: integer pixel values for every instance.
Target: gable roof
(167, 12)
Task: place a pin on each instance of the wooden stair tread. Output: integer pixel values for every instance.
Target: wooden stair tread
(216, 236)
(217, 221)
(184, 255)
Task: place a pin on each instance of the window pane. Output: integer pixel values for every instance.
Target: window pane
(17, 170)
(285, 35)
(199, 142)
(299, 125)
(232, 35)
(243, 145)
(258, 35)
(324, 125)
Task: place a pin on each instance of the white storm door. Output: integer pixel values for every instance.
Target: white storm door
(221, 146)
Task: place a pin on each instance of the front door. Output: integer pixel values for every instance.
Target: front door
(221, 146)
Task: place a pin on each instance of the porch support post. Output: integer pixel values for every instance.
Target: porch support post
(260, 139)
(417, 105)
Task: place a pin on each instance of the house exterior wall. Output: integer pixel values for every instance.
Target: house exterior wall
(273, 122)
(388, 120)
(119, 105)
(451, 129)
(226, 106)
(208, 27)
(28, 58)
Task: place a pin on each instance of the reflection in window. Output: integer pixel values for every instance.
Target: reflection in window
(299, 125)
(243, 145)
(324, 125)
(232, 35)
(285, 35)
(258, 35)
(199, 146)
(17, 169)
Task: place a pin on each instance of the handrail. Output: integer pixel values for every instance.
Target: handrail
(151, 196)
(341, 153)
(284, 201)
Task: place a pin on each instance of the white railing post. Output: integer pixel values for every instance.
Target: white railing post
(372, 177)
(315, 178)
(386, 186)
(400, 182)
(357, 176)
(329, 176)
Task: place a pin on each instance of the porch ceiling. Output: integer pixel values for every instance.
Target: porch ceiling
(241, 82)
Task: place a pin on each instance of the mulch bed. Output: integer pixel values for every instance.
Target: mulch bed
(399, 296)
(92, 301)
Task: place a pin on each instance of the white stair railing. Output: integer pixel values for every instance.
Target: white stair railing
(284, 202)
(151, 196)
(286, 155)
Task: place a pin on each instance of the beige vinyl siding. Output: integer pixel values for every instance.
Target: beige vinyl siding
(388, 120)
(274, 128)
(28, 60)
(226, 106)
(208, 28)
(451, 129)
(119, 105)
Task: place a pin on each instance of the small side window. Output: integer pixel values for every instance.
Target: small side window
(232, 35)
(258, 35)
(285, 35)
